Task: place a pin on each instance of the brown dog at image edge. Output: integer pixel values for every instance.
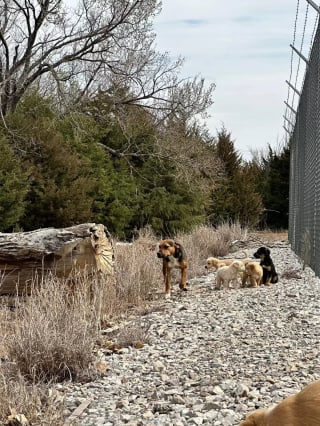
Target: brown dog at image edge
(301, 409)
(173, 256)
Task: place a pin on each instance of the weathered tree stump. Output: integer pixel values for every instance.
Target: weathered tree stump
(26, 256)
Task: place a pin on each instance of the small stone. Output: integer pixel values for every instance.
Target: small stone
(217, 390)
(212, 356)
(148, 415)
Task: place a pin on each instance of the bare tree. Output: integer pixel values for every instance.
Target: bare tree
(97, 46)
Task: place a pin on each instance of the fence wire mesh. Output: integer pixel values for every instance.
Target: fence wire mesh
(304, 203)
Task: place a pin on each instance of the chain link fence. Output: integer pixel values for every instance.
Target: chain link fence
(304, 204)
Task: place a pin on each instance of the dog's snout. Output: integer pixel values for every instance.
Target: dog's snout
(256, 255)
(206, 266)
(159, 254)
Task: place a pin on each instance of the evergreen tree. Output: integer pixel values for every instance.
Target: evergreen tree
(168, 204)
(61, 190)
(226, 152)
(14, 187)
(153, 193)
(275, 188)
(234, 199)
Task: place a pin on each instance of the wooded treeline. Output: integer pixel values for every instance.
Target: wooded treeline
(96, 126)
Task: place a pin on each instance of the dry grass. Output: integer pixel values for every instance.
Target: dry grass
(269, 236)
(36, 402)
(135, 334)
(54, 332)
(51, 336)
(137, 270)
(48, 337)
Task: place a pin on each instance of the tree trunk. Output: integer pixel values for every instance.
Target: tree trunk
(27, 256)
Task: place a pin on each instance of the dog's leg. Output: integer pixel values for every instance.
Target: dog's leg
(244, 280)
(218, 283)
(167, 280)
(253, 282)
(232, 283)
(183, 280)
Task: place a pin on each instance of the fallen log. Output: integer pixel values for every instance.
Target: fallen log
(26, 256)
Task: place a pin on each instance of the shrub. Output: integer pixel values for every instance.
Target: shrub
(35, 402)
(138, 272)
(54, 332)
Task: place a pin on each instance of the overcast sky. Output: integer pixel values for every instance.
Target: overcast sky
(243, 47)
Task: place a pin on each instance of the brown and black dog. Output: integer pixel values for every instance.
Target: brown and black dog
(269, 271)
(301, 409)
(173, 256)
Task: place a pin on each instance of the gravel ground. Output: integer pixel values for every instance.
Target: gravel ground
(213, 355)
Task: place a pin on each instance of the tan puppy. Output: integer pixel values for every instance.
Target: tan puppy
(214, 262)
(302, 409)
(228, 274)
(253, 273)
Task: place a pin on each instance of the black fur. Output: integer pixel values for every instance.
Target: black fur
(269, 271)
(179, 252)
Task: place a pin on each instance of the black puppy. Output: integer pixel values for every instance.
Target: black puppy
(269, 270)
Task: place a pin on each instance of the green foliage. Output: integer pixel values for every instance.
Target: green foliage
(274, 190)
(85, 166)
(170, 206)
(235, 198)
(14, 187)
(61, 185)
(229, 157)
(147, 189)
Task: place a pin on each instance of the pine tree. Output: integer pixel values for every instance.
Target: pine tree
(61, 189)
(14, 187)
(275, 188)
(235, 198)
(226, 152)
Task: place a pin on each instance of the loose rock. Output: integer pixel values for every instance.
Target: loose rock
(213, 355)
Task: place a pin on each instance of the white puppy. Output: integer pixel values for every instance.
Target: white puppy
(229, 274)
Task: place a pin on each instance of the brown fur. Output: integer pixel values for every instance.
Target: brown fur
(302, 409)
(173, 256)
(253, 273)
(228, 274)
